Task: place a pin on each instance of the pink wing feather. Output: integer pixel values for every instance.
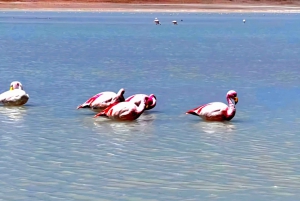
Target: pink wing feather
(106, 110)
(197, 110)
(89, 101)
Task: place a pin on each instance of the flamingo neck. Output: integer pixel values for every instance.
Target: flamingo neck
(120, 96)
(140, 109)
(230, 103)
(230, 112)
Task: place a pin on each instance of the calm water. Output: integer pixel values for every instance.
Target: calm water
(51, 151)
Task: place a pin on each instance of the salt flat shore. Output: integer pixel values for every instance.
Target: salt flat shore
(124, 7)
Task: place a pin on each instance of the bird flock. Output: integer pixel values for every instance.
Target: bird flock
(157, 22)
(114, 106)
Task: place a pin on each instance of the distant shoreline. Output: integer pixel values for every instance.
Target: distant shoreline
(140, 7)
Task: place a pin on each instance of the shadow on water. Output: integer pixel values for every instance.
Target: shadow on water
(215, 127)
(152, 111)
(87, 113)
(13, 113)
(125, 129)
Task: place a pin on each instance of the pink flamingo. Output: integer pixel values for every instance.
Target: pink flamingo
(150, 103)
(217, 111)
(102, 100)
(124, 110)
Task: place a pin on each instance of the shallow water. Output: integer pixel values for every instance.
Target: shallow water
(51, 151)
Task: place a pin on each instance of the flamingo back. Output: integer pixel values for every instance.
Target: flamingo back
(15, 97)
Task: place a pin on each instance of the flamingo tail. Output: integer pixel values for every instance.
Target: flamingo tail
(198, 109)
(100, 114)
(191, 112)
(83, 106)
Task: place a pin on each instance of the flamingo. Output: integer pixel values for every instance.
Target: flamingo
(126, 111)
(16, 96)
(217, 111)
(156, 21)
(102, 100)
(150, 103)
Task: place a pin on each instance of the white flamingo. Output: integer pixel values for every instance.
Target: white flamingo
(16, 96)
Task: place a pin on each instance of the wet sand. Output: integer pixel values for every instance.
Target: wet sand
(150, 7)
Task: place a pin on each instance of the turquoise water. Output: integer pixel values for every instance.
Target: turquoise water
(51, 151)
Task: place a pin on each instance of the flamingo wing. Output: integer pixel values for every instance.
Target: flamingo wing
(127, 112)
(129, 98)
(119, 111)
(13, 96)
(136, 99)
(89, 102)
(213, 109)
(107, 99)
(208, 111)
(197, 110)
(112, 110)
(100, 100)
(107, 111)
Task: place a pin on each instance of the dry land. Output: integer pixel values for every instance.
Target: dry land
(282, 6)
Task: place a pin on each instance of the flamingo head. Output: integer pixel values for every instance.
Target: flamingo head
(16, 85)
(120, 96)
(232, 95)
(146, 99)
(151, 102)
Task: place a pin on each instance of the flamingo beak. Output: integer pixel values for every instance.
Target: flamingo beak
(236, 100)
(11, 88)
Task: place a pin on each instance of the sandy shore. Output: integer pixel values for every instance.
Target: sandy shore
(121, 7)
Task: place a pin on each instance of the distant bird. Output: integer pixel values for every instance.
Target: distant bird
(174, 22)
(244, 20)
(16, 96)
(137, 98)
(126, 111)
(156, 21)
(102, 100)
(217, 111)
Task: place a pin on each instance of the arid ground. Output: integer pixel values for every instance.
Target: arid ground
(156, 5)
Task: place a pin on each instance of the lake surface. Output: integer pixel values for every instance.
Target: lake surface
(51, 151)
